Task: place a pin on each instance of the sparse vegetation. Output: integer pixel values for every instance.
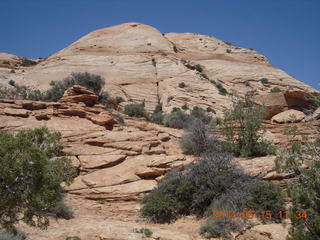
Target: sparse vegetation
(145, 231)
(175, 49)
(29, 188)
(136, 110)
(264, 80)
(119, 100)
(61, 210)
(198, 68)
(304, 193)
(25, 62)
(275, 90)
(182, 85)
(6, 235)
(185, 107)
(73, 238)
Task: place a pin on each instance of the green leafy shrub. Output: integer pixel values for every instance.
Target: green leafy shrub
(182, 85)
(159, 207)
(263, 197)
(6, 235)
(145, 231)
(25, 62)
(30, 180)
(157, 115)
(275, 90)
(243, 130)
(136, 110)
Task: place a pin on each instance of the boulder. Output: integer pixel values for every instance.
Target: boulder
(288, 116)
(76, 94)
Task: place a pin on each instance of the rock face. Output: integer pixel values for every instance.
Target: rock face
(116, 162)
(77, 94)
(139, 63)
(288, 116)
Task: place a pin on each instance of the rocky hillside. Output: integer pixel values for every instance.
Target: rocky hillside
(139, 63)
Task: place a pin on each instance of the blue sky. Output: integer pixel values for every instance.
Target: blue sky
(287, 32)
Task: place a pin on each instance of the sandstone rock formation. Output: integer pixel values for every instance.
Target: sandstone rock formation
(139, 63)
(288, 116)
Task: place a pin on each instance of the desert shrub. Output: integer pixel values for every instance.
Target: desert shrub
(30, 179)
(305, 193)
(90, 81)
(314, 98)
(157, 115)
(243, 130)
(145, 231)
(263, 197)
(182, 85)
(6, 235)
(136, 110)
(220, 228)
(275, 90)
(209, 109)
(25, 62)
(198, 67)
(198, 139)
(159, 207)
(185, 107)
(175, 49)
(221, 89)
(264, 80)
(12, 83)
(201, 114)
(119, 100)
(177, 119)
(73, 238)
(118, 117)
(228, 50)
(61, 210)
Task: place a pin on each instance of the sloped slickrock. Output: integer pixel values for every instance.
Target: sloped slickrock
(288, 116)
(139, 63)
(117, 163)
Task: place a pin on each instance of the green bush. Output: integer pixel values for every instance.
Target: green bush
(25, 62)
(159, 207)
(264, 80)
(73, 238)
(119, 100)
(263, 197)
(243, 129)
(136, 110)
(30, 180)
(182, 85)
(192, 190)
(198, 68)
(6, 235)
(275, 90)
(90, 81)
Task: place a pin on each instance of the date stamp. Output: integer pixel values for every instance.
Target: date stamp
(249, 214)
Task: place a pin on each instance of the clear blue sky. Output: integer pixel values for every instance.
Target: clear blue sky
(287, 32)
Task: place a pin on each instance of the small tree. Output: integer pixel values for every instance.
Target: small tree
(243, 129)
(30, 182)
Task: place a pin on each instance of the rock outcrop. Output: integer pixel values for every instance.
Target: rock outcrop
(288, 116)
(139, 63)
